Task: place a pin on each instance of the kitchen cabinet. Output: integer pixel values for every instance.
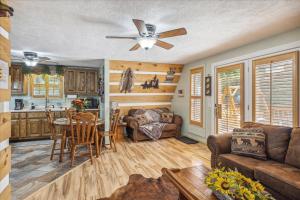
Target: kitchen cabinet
(70, 81)
(15, 128)
(33, 124)
(34, 127)
(81, 81)
(18, 80)
(46, 129)
(92, 83)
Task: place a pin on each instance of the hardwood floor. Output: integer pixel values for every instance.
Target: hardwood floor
(112, 169)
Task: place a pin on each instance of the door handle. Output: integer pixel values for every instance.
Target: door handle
(219, 111)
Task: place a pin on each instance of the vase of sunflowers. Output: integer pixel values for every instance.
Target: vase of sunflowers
(232, 185)
(79, 104)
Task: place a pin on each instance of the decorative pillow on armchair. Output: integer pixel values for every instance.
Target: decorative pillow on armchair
(249, 142)
(141, 119)
(167, 117)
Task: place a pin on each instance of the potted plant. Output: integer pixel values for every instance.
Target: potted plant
(79, 104)
(232, 185)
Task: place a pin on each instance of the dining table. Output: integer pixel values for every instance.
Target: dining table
(64, 123)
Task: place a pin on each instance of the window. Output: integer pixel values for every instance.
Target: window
(196, 96)
(54, 86)
(46, 86)
(275, 90)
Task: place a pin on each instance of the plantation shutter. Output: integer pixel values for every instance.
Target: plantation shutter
(230, 97)
(275, 95)
(196, 98)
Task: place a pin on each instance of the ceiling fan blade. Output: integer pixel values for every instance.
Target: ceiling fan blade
(164, 45)
(47, 61)
(44, 58)
(140, 25)
(135, 47)
(120, 37)
(172, 33)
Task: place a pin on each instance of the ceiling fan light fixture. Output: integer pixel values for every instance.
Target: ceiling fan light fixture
(31, 63)
(147, 43)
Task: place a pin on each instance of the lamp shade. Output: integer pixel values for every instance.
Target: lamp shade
(31, 63)
(147, 43)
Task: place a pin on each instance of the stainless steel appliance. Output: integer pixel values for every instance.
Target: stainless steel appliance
(92, 103)
(19, 105)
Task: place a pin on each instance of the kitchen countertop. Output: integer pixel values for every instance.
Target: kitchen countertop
(43, 110)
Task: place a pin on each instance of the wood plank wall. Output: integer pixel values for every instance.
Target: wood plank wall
(139, 97)
(5, 115)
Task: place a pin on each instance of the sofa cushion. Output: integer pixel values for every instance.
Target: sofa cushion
(169, 127)
(245, 165)
(141, 119)
(280, 177)
(167, 117)
(293, 153)
(277, 139)
(249, 142)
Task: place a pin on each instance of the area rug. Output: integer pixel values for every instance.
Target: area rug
(186, 140)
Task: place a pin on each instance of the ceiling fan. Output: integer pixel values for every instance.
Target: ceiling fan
(148, 36)
(31, 59)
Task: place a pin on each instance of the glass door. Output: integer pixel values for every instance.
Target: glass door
(229, 97)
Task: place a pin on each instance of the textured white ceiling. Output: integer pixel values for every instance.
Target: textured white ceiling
(76, 29)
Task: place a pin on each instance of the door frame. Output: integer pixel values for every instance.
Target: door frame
(242, 65)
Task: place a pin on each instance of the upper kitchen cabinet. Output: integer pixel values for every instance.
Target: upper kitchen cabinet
(92, 77)
(18, 80)
(81, 81)
(70, 81)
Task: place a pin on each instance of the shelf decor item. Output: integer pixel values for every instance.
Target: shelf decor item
(170, 75)
(79, 104)
(231, 185)
(180, 93)
(208, 85)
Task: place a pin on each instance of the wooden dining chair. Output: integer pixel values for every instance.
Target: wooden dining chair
(112, 133)
(54, 135)
(83, 132)
(70, 111)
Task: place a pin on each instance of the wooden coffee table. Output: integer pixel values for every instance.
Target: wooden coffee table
(190, 182)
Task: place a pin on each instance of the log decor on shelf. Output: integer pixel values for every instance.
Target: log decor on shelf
(127, 80)
(141, 188)
(5, 10)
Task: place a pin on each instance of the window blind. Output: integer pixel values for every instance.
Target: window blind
(230, 97)
(275, 95)
(196, 96)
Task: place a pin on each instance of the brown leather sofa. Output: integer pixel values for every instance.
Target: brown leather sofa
(280, 173)
(133, 132)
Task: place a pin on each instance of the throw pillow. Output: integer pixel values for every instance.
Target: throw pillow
(141, 119)
(277, 139)
(167, 117)
(293, 153)
(249, 142)
(152, 116)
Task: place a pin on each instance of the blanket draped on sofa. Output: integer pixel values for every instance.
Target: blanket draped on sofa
(153, 130)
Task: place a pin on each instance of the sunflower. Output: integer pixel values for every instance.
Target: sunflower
(223, 186)
(258, 186)
(246, 194)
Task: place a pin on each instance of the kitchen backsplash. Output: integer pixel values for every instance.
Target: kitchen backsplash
(28, 100)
